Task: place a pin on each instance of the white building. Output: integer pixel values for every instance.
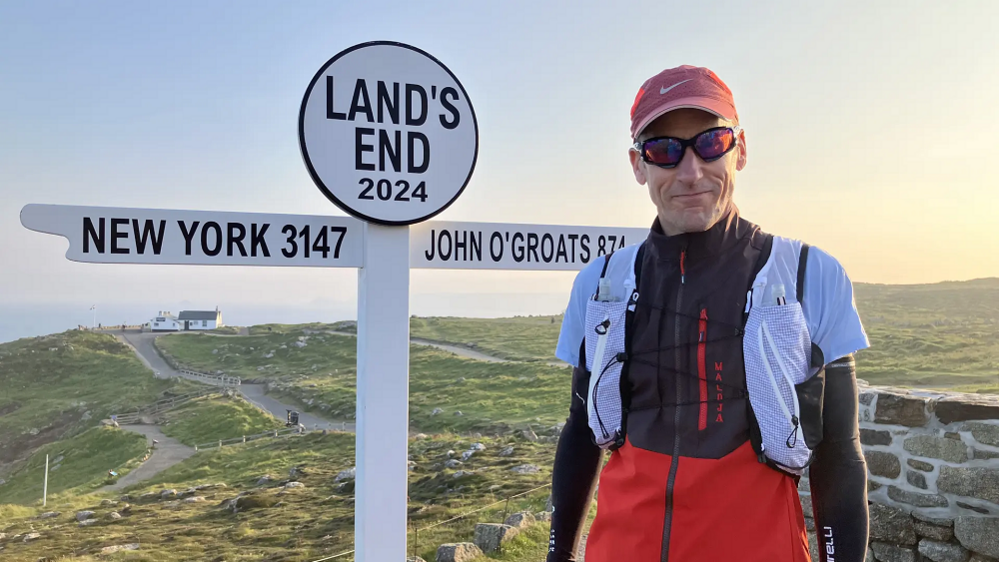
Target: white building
(191, 320)
(164, 322)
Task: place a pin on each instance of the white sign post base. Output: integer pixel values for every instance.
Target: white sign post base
(381, 484)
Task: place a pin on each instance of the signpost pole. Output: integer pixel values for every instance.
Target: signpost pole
(381, 483)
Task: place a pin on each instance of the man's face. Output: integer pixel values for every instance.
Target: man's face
(694, 195)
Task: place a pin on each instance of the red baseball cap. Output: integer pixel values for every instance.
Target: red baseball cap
(681, 87)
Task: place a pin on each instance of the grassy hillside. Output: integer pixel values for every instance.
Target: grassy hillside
(488, 395)
(938, 335)
(303, 523)
(76, 466)
(55, 386)
(205, 420)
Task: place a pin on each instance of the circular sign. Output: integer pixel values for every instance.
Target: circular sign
(388, 133)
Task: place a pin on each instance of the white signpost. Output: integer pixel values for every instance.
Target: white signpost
(388, 135)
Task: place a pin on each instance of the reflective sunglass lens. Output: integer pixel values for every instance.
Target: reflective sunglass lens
(711, 145)
(663, 152)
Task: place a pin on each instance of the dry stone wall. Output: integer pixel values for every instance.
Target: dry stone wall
(933, 475)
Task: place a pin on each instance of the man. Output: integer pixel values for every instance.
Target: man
(690, 478)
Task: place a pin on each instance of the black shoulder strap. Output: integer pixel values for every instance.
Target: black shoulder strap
(802, 262)
(768, 245)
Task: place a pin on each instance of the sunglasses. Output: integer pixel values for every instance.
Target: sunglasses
(710, 145)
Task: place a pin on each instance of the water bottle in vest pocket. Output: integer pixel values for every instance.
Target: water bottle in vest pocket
(605, 340)
(778, 351)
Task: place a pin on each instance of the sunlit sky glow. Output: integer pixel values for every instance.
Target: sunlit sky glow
(871, 129)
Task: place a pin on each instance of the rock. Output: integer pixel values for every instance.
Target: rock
(901, 409)
(520, 520)
(264, 480)
(467, 455)
(891, 525)
(884, 464)
(978, 482)
(806, 504)
(31, 536)
(108, 503)
(943, 552)
(872, 485)
(436, 411)
(966, 407)
(254, 501)
(299, 344)
(348, 474)
(875, 437)
(450, 453)
(49, 515)
(891, 553)
(420, 436)
(461, 473)
(489, 536)
(915, 478)
(415, 559)
(113, 516)
(507, 451)
(458, 413)
(194, 499)
(526, 469)
(938, 521)
(983, 454)
(920, 465)
(453, 463)
(975, 508)
(529, 435)
(84, 515)
(918, 500)
(935, 532)
(294, 485)
(87, 522)
(119, 548)
(167, 494)
(937, 448)
(987, 433)
(410, 465)
(975, 557)
(477, 447)
(457, 552)
(980, 534)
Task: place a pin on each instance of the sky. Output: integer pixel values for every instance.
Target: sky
(871, 131)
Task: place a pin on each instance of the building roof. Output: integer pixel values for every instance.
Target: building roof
(198, 315)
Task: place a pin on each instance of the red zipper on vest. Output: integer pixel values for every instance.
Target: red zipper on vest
(702, 345)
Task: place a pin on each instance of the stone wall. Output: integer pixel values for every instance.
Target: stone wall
(933, 470)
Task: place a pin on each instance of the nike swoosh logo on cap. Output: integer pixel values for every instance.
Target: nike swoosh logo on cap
(664, 90)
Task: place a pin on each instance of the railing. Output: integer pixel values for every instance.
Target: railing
(225, 381)
(160, 406)
(247, 438)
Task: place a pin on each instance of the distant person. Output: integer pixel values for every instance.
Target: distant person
(713, 360)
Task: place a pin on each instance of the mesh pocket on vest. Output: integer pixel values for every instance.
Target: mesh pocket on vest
(605, 323)
(777, 350)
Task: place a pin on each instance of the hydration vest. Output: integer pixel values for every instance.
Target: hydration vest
(784, 375)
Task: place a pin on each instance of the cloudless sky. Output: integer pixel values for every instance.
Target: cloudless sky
(871, 129)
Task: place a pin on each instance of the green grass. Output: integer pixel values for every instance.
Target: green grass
(76, 466)
(54, 386)
(490, 396)
(205, 420)
(303, 523)
(523, 338)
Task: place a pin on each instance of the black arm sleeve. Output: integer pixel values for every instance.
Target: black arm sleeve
(574, 476)
(838, 475)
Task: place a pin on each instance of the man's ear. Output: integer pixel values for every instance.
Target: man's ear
(743, 151)
(637, 166)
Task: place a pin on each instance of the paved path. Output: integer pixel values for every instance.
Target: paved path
(459, 350)
(168, 452)
(142, 343)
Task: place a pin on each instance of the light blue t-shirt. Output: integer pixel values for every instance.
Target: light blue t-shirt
(828, 306)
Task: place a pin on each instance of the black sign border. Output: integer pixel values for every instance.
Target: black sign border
(315, 176)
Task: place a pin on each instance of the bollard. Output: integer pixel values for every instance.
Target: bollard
(195, 448)
(220, 443)
(244, 439)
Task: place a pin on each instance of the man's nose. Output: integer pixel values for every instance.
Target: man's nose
(689, 169)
